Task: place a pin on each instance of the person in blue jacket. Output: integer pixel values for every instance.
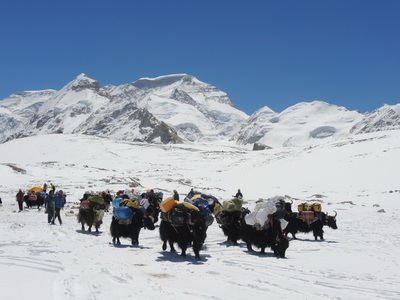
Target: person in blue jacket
(59, 204)
(50, 207)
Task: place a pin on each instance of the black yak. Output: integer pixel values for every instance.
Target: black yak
(230, 224)
(270, 235)
(35, 199)
(132, 227)
(192, 230)
(91, 217)
(296, 223)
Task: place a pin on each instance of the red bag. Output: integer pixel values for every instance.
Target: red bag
(86, 204)
(307, 215)
(32, 197)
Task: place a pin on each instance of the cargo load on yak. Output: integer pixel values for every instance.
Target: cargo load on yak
(309, 207)
(116, 202)
(32, 197)
(167, 204)
(35, 189)
(262, 213)
(96, 199)
(232, 205)
(309, 212)
(259, 216)
(205, 201)
(123, 214)
(179, 214)
(126, 210)
(134, 203)
(206, 205)
(86, 204)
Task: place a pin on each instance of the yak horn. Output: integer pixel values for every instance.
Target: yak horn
(335, 213)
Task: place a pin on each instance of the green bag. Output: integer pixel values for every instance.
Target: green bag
(96, 199)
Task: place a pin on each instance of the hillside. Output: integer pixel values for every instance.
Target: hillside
(357, 177)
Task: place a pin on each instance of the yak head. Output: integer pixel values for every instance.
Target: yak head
(288, 206)
(148, 222)
(198, 227)
(331, 221)
(281, 244)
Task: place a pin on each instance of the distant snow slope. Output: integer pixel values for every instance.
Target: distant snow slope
(306, 123)
(18, 109)
(356, 176)
(385, 118)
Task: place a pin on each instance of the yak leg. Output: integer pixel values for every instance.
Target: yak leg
(135, 237)
(135, 241)
(83, 226)
(249, 248)
(183, 246)
(171, 246)
(116, 239)
(196, 250)
(318, 233)
(262, 250)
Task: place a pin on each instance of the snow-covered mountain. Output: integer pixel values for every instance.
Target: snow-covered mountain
(18, 109)
(178, 109)
(302, 124)
(166, 109)
(385, 118)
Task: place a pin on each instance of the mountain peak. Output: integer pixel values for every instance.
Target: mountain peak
(82, 81)
(161, 81)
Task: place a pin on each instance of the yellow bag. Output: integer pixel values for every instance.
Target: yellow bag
(189, 205)
(167, 204)
(217, 208)
(317, 207)
(307, 207)
(134, 203)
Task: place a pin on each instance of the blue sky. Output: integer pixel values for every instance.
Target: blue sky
(261, 52)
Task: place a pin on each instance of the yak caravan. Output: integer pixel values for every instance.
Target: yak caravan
(186, 222)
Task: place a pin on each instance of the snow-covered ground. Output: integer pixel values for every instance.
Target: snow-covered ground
(356, 177)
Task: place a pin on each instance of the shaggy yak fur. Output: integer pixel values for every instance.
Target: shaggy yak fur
(269, 236)
(39, 202)
(91, 217)
(296, 224)
(230, 224)
(192, 232)
(132, 230)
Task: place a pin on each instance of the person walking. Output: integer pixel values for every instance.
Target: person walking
(20, 199)
(239, 194)
(59, 204)
(176, 195)
(50, 204)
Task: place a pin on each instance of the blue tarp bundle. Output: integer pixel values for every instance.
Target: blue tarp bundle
(123, 213)
(116, 202)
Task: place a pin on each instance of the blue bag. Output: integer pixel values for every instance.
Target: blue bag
(123, 213)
